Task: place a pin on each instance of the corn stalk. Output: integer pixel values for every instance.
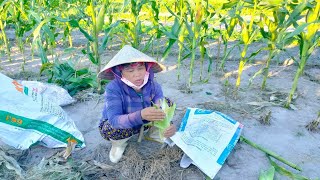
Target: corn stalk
(97, 23)
(194, 28)
(248, 35)
(273, 33)
(133, 26)
(181, 36)
(154, 31)
(3, 17)
(272, 36)
(308, 40)
(234, 15)
(177, 33)
(203, 35)
(22, 25)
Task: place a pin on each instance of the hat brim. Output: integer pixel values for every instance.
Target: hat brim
(107, 73)
(128, 54)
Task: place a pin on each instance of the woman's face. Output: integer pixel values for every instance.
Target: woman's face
(134, 73)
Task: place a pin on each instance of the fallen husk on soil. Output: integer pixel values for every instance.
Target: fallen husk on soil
(273, 98)
(9, 167)
(313, 125)
(55, 168)
(275, 166)
(265, 118)
(270, 153)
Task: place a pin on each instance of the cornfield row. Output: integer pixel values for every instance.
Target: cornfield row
(190, 25)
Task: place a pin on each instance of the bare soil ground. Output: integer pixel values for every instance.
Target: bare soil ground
(265, 121)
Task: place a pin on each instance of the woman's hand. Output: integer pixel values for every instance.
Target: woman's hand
(152, 114)
(170, 131)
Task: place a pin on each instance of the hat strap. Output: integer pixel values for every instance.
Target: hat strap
(115, 74)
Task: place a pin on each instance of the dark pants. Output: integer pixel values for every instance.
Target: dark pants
(108, 132)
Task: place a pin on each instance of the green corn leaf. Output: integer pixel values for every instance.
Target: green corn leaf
(91, 57)
(297, 31)
(82, 71)
(186, 56)
(36, 32)
(189, 28)
(167, 51)
(176, 27)
(125, 4)
(171, 12)
(107, 33)
(285, 172)
(148, 44)
(46, 67)
(314, 45)
(86, 34)
(267, 175)
(169, 34)
(49, 33)
(74, 23)
(295, 15)
(42, 52)
(229, 4)
(261, 71)
(253, 35)
(252, 55)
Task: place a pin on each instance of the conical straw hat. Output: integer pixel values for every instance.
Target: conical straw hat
(128, 54)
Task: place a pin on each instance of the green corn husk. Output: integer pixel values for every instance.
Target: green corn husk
(165, 123)
(156, 132)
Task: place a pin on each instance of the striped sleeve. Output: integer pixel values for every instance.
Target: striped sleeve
(115, 114)
(158, 92)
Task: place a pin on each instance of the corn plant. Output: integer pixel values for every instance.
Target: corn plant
(133, 27)
(177, 33)
(97, 24)
(275, 30)
(40, 32)
(154, 30)
(94, 25)
(73, 11)
(203, 36)
(67, 76)
(234, 15)
(308, 37)
(22, 25)
(248, 34)
(194, 32)
(197, 29)
(181, 36)
(4, 6)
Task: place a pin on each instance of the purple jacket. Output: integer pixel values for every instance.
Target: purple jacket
(123, 104)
